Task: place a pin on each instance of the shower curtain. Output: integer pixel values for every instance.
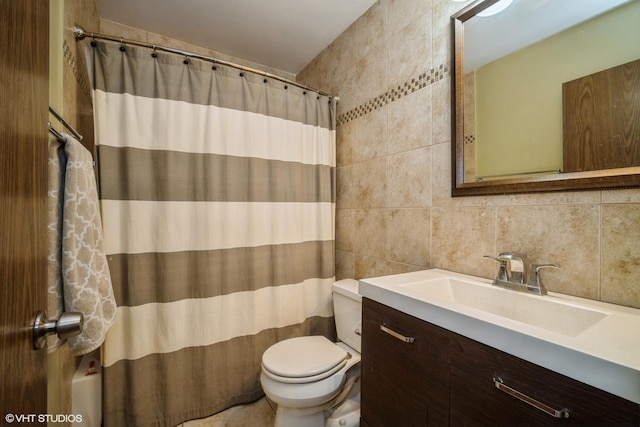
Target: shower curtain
(217, 191)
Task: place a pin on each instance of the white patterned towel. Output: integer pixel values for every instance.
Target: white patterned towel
(55, 301)
(85, 273)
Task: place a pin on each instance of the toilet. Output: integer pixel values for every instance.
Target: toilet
(315, 382)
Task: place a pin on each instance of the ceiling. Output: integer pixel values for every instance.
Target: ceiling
(524, 23)
(282, 34)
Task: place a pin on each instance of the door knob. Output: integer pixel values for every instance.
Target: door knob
(67, 326)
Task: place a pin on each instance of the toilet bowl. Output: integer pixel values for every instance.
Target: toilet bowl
(315, 382)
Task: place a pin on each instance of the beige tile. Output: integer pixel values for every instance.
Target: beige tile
(441, 111)
(409, 178)
(371, 184)
(345, 144)
(399, 268)
(441, 175)
(409, 121)
(346, 187)
(342, 74)
(371, 30)
(621, 254)
(564, 235)
(371, 232)
(345, 229)
(367, 266)
(408, 60)
(317, 73)
(441, 40)
(343, 54)
(460, 237)
(371, 76)
(333, 68)
(401, 13)
(408, 236)
(631, 195)
(371, 135)
(345, 265)
(348, 92)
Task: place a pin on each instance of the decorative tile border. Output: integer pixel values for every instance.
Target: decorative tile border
(423, 80)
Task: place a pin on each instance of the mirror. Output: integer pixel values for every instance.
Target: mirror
(527, 111)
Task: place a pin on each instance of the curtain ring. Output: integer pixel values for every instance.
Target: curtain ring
(154, 54)
(185, 61)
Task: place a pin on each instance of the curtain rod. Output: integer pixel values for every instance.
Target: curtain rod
(64, 123)
(81, 34)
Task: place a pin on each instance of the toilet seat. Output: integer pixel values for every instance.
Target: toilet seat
(303, 360)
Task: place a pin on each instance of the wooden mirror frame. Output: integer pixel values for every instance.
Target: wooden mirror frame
(576, 181)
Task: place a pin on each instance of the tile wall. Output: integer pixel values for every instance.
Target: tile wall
(391, 70)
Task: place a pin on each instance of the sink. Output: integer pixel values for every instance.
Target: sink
(543, 312)
(594, 342)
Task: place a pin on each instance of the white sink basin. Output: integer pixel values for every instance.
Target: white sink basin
(591, 341)
(547, 313)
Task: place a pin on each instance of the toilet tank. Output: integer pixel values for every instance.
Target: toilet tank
(347, 308)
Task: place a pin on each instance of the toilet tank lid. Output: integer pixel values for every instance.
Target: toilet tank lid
(348, 288)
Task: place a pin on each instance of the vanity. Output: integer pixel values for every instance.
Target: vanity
(441, 348)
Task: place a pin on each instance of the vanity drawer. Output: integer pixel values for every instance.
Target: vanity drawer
(476, 401)
(404, 369)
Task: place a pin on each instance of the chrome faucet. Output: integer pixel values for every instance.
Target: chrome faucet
(513, 270)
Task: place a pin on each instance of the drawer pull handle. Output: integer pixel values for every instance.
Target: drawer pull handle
(394, 334)
(562, 413)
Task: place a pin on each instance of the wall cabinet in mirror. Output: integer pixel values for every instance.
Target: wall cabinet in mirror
(512, 130)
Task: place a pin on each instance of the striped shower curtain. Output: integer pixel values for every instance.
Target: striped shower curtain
(217, 192)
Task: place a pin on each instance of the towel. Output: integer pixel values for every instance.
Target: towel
(55, 300)
(86, 281)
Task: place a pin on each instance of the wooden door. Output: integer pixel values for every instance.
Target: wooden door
(601, 120)
(24, 69)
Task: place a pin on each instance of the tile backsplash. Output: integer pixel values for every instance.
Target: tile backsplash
(395, 212)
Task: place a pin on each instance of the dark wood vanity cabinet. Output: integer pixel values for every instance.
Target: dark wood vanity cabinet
(403, 383)
(475, 400)
(443, 379)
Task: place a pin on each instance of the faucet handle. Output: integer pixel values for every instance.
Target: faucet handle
(535, 281)
(502, 270)
(517, 266)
